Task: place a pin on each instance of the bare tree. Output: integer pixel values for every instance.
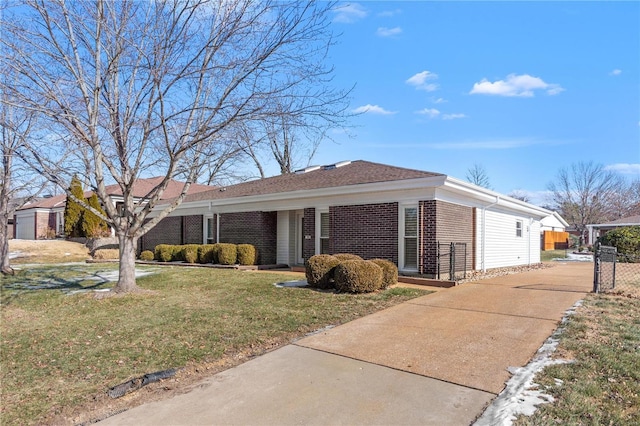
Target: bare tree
(478, 176)
(19, 183)
(583, 194)
(145, 88)
(520, 195)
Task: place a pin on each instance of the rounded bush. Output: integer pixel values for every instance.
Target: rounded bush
(176, 255)
(227, 254)
(319, 270)
(247, 254)
(346, 256)
(207, 253)
(163, 252)
(146, 255)
(625, 239)
(389, 272)
(189, 252)
(358, 276)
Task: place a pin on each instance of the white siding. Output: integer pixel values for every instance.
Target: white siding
(284, 237)
(502, 247)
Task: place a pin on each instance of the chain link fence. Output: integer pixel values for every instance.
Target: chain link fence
(615, 272)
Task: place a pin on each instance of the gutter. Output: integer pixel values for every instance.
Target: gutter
(484, 232)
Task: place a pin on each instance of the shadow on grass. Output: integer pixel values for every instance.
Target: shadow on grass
(66, 280)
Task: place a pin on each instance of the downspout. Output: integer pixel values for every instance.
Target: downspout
(484, 232)
(529, 246)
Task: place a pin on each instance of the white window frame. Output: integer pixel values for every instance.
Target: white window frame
(519, 227)
(319, 213)
(402, 236)
(205, 230)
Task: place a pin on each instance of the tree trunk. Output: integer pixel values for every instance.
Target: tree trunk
(127, 277)
(4, 248)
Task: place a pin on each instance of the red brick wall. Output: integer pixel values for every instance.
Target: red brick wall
(192, 229)
(167, 231)
(257, 228)
(444, 222)
(43, 222)
(309, 247)
(370, 231)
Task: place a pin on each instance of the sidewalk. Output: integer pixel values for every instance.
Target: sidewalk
(438, 359)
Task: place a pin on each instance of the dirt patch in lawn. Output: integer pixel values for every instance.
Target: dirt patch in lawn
(47, 251)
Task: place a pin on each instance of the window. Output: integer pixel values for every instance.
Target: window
(324, 233)
(518, 228)
(410, 238)
(210, 229)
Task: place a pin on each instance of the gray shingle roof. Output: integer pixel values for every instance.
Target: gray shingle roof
(355, 173)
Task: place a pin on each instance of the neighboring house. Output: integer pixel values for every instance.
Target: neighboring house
(369, 209)
(553, 222)
(596, 230)
(45, 217)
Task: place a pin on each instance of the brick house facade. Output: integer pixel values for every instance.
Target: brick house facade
(368, 209)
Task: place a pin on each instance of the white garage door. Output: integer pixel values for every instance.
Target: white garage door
(25, 227)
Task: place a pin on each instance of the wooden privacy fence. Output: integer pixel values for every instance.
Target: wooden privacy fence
(555, 240)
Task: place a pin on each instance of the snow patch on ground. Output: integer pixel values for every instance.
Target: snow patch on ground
(299, 283)
(521, 394)
(575, 257)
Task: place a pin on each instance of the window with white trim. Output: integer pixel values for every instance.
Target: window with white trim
(410, 238)
(211, 226)
(518, 228)
(324, 233)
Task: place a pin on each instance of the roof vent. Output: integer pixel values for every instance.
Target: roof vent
(336, 165)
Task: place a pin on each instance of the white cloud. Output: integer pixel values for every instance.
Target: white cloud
(388, 32)
(624, 168)
(349, 13)
(420, 81)
(372, 109)
(515, 85)
(453, 116)
(429, 112)
(434, 113)
(616, 72)
(438, 100)
(389, 13)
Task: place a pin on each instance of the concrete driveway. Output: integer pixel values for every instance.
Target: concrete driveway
(438, 359)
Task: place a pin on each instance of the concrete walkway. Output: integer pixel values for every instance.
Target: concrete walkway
(438, 359)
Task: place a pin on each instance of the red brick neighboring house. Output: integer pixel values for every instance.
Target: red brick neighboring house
(373, 210)
(45, 217)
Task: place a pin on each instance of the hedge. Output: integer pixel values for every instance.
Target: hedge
(319, 270)
(389, 272)
(220, 253)
(189, 252)
(147, 255)
(247, 254)
(227, 254)
(358, 276)
(207, 253)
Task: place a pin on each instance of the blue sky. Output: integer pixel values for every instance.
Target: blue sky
(521, 88)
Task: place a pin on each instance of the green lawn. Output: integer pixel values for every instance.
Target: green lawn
(62, 351)
(549, 255)
(602, 385)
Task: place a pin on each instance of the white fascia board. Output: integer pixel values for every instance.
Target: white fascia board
(399, 190)
(485, 196)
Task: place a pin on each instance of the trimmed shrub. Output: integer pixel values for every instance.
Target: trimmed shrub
(247, 254)
(626, 240)
(176, 255)
(358, 276)
(319, 270)
(146, 255)
(389, 272)
(104, 254)
(207, 253)
(189, 252)
(164, 253)
(346, 256)
(227, 254)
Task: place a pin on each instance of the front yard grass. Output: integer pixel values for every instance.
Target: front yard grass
(602, 384)
(549, 255)
(62, 351)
